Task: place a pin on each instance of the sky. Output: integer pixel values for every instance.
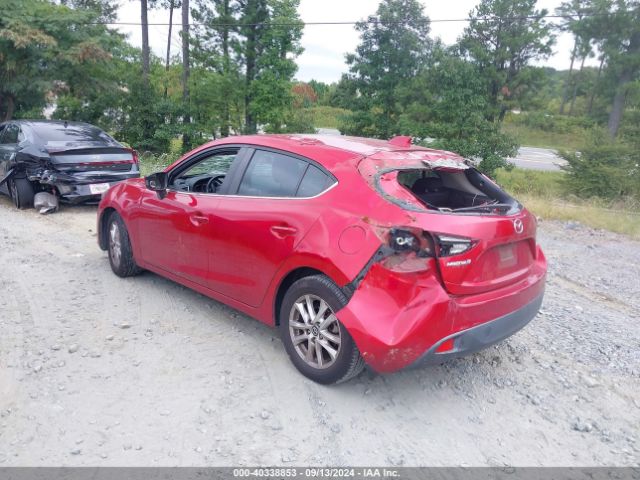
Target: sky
(325, 46)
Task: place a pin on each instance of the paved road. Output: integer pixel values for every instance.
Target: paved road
(537, 159)
(528, 157)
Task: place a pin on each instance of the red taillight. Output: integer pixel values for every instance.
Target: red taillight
(106, 164)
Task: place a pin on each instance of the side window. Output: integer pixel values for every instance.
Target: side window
(10, 135)
(314, 182)
(2, 129)
(272, 174)
(207, 175)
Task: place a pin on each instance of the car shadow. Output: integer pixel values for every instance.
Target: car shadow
(455, 374)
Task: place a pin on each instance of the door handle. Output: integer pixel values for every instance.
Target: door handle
(198, 219)
(282, 231)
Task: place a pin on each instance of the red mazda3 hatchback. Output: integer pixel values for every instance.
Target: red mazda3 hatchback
(359, 251)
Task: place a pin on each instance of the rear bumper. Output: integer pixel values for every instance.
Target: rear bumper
(80, 189)
(480, 337)
(399, 319)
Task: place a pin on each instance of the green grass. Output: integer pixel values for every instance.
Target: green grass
(532, 137)
(327, 117)
(151, 163)
(544, 194)
(531, 182)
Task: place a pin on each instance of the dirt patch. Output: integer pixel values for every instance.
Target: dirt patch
(97, 370)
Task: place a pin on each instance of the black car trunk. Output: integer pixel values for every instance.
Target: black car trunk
(85, 159)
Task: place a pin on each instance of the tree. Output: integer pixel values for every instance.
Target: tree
(106, 10)
(322, 91)
(617, 27)
(170, 5)
(573, 13)
(144, 23)
(394, 45)
(23, 45)
(345, 94)
(447, 103)
(214, 51)
(185, 72)
(304, 95)
(502, 38)
(47, 49)
(270, 91)
(269, 40)
(253, 26)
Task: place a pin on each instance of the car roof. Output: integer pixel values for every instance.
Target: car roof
(333, 151)
(50, 122)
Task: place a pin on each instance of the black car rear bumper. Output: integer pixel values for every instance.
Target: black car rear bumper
(81, 188)
(88, 192)
(481, 336)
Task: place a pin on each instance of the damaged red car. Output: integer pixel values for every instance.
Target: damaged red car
(359, 251)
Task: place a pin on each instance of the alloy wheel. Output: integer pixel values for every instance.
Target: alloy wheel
(115, 245)
(315, 331)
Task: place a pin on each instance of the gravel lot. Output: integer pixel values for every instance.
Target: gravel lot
(96, 370)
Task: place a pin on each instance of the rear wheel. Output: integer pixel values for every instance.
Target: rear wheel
(22, 192)
(318, 344)
(119, 248)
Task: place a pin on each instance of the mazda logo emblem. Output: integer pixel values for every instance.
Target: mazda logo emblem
(518, 226)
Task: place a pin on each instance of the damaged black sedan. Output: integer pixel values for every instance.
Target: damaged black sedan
(46, 160)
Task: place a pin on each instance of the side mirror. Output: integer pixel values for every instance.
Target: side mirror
(157, 182)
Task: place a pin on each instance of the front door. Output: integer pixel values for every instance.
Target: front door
(174, 229)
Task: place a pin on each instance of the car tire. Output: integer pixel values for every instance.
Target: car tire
(22, 192)
(328, 354)
(119, 248)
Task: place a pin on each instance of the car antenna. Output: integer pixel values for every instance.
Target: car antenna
(66, 124)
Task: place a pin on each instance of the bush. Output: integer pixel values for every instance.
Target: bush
(604, 169)
(328, 117)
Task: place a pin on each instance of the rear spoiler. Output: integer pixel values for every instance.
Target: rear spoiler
(79, 150)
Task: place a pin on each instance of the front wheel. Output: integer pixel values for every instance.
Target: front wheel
(318, 344)
(119, 248)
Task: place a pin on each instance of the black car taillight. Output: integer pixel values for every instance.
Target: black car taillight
(450, 245)
(404, 240)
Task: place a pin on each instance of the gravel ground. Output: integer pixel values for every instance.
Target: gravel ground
(96, 370)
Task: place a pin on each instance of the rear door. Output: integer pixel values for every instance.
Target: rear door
(259, 225)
